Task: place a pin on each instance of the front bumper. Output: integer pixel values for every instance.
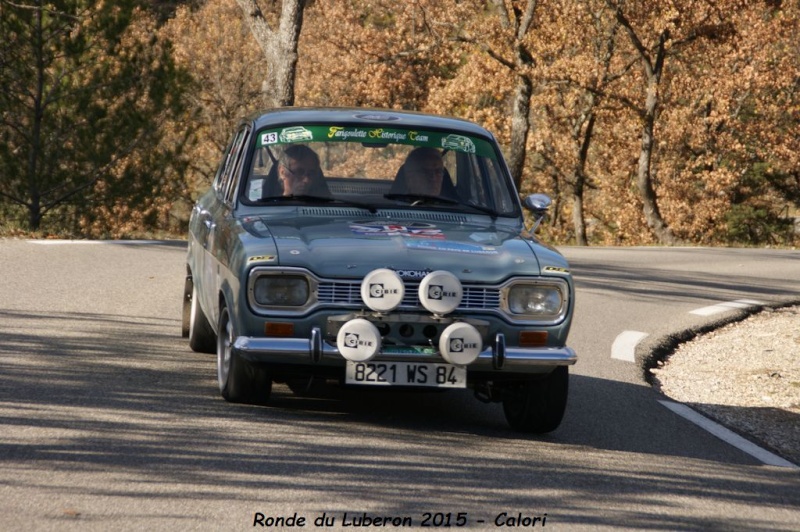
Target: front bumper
(317, 353)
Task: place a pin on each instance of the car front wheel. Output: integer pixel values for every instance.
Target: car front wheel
(239, 381)
(537, 406)
(201, 336)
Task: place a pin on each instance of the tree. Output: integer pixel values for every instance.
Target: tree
(78, 98)
(653, 65)
(754, 120)
(509, 47)
(519, 22)
(216, 44)
(576, 45)
(379, 53)
(656, 34)
(721, 155)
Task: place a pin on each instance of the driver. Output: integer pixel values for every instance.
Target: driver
(423, 173)
(299, 172)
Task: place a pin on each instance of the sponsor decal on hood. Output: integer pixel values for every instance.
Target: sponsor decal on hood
(453, 247)
(412, 230)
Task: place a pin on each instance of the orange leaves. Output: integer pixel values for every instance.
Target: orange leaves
(727, 91)
(216, 46)
(378, 52)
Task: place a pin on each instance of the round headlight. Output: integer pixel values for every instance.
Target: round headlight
(535, 300)
(281, 291)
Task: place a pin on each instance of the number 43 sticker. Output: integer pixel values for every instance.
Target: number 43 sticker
(269, 138)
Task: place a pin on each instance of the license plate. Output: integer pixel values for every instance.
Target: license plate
(427, 374)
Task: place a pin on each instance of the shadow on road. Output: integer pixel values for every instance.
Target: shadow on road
(87, 395)
(660, 283)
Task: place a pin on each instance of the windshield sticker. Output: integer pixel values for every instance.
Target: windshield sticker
(452, 247)
(411, 231)
(458, 143)
(378, 135)
(295, 134)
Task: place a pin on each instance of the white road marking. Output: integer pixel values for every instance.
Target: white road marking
(624, 346)
(97, 242)
(728, 436)
(722, 307)
(62, 242)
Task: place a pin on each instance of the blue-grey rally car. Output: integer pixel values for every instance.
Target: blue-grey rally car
(377, 248)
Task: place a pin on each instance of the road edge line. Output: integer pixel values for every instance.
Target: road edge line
(728, 436)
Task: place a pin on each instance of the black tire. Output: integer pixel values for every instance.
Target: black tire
(537, 406)
(202, 338)
(187, 306)
(239, 381)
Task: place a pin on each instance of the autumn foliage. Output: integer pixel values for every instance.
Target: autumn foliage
(647, 122)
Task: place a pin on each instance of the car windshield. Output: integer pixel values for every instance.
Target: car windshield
(378, 168)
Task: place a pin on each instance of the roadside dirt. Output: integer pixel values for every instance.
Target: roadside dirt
(746, 376)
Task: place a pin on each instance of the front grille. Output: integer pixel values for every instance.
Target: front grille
(339, 292)
(349, 293)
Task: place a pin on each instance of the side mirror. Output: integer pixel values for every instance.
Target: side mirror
(538, 204)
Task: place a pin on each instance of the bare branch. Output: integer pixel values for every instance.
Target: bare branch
(637, 43)
(527, 19)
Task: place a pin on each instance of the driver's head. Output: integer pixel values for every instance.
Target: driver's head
(298, 169)
(424, 171)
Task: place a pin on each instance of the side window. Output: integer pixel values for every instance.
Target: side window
(470, 180)
(226, 156)
(499, 188)
(227, 180)
(482, 182)
(449, 160)
(259, 173)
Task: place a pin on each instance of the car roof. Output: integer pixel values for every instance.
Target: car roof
(364, 117)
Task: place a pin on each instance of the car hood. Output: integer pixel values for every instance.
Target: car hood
(347, 248)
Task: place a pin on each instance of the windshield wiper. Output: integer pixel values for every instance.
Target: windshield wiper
(317, 199)
(295, 197)
(417, 199)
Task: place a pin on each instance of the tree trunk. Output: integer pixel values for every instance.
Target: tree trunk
(579, 173)
(520, 128)
(34, 205)
(520, 22)
(644, 178)
(279, 46)
(34, 215)
(653, 67)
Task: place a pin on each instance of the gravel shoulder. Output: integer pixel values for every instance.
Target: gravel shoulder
(744, 375)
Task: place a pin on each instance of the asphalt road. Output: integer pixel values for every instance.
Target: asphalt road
(108, 421)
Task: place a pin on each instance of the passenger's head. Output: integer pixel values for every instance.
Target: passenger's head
(298, 169)
(424, 170)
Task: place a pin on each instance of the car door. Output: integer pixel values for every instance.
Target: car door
(216, 213)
